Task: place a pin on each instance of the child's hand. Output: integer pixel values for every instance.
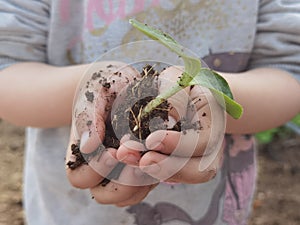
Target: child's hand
(97, 95)
(174, 156)
(189, 156)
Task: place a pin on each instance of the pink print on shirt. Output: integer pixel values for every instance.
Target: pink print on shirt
(105, 10)
(65, 10)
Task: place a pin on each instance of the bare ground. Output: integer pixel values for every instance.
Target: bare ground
(277, 198)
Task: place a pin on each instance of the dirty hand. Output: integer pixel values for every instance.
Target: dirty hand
(191, 155)
(88, 162)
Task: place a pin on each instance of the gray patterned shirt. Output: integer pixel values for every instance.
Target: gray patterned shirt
(231, 36)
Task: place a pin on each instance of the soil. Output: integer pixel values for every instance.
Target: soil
(276, 202)
(11, 172)
(127, 119)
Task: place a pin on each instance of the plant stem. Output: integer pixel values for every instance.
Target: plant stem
(160, 99)
(157, 101)
(182, 83)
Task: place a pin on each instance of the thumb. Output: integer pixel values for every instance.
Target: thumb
(93, 102)
(179, 101)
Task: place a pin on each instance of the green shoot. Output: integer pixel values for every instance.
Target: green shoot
(194, 74)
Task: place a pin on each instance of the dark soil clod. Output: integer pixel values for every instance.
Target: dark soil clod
(106, 85)
(79, 159)
(89, 96)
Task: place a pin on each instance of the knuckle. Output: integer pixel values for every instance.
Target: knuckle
(76, 182)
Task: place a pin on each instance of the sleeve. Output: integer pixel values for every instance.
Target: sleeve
(277, 42)
(23, 31)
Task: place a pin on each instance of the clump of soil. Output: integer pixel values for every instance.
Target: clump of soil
(138, 94)
(125, 119)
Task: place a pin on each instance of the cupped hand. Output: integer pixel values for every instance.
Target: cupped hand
(92, 107)
(192, 155)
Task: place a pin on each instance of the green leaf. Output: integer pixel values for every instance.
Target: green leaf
(192, 65)
(220, 89)
(194, 73)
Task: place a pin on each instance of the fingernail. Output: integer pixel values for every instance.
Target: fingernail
(84, 138)
(212, 174)
(159, 147)
(155, 140)
(171, 122)
(131, 159)
(134, 145)
(125, 138)
(156, 147)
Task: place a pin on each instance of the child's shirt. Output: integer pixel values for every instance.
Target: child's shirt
(230, 36)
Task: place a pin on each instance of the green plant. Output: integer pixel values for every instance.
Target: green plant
(296, 120)
(194, 74)
(267, 136)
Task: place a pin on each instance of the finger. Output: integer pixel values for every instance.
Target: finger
(105, 163)
(204, 113)
(130, 185)
(134, 176)
(211, 116)
(138, 197)
(191, 142)
(87, 176)
(125, 138)
(113, 192)
(84, 177)
(198, 100)
(88, 128)
(118, 194)
(178, 169)
(130, 152)
(179, 101)
(96, 93)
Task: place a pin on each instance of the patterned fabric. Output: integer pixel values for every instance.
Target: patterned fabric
(230, 37)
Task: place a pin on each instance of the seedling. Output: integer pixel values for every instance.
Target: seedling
(194, 74)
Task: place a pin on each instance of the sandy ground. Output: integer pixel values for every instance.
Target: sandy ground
(277, 199)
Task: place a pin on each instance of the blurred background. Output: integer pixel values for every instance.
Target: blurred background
(277, 198)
